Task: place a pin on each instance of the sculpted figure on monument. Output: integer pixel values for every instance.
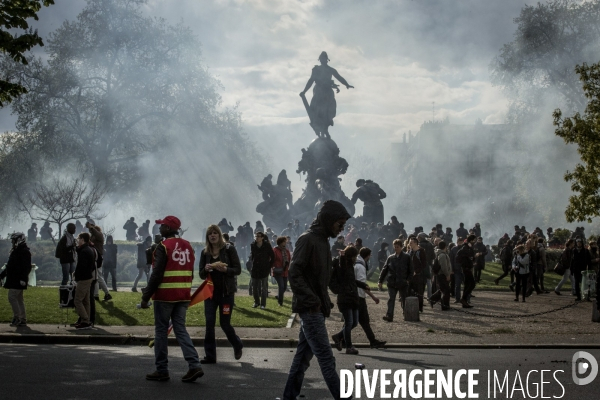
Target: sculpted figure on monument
(322, 108)
(277, 205)
(370, 194)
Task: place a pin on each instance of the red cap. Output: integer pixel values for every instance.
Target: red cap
(171, 221)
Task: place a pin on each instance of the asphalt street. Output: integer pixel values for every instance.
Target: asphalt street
(117, 372)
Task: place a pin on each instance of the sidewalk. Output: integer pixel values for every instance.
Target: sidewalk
(571, 327)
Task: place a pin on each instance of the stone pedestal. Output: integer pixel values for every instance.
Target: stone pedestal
(411, 309)
(595, 312)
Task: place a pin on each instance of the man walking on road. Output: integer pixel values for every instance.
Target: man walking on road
(309, 278)
(170, 286)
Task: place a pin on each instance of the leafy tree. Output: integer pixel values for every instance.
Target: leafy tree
(550, 38)
(584, 131)
(118, 89)
(14, 15)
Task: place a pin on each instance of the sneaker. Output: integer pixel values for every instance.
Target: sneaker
(208, 361)
(133, 289)
(377, 344)
(97, 298)
(351, 350)
(337, 342)
(15, 322)
(457, 302)
(23, 322)
(517, 299)
(107, 297)
(557, 292)
(254, 305)
(192, 375)
(158, 376)
(388, 318)
(82, 326)
(262, 307)
(466, 304)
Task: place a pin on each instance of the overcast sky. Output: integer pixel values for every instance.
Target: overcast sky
(401, 56)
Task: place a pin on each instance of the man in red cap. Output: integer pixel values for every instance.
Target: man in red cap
(170, 286)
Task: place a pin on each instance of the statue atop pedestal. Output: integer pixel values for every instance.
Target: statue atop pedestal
(322, 108)
(322, 164)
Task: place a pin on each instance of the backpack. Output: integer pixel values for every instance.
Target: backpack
(436, 267)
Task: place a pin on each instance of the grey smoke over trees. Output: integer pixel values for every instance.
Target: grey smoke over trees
(119, 97)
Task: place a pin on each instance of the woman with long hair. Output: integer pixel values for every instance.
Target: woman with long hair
(220, 261)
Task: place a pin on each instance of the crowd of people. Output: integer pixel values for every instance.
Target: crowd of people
(433, 267)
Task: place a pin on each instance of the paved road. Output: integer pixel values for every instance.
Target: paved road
(114, 372)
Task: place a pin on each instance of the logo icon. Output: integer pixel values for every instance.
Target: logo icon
(584, 363)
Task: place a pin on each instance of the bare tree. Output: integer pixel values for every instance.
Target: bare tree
(62, 200)
(109, 231)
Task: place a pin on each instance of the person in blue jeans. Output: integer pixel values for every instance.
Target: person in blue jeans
(309, 276)
(170, 286)
(219, 260)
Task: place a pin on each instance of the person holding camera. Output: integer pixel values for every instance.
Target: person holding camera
(16, 273)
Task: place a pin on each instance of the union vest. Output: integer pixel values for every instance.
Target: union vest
(177, 281)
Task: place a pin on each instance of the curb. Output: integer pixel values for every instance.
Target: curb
(112, 340)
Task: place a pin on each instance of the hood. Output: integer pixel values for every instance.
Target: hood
(360, 260)
(330, 212)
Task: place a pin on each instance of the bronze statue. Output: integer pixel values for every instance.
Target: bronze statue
(277, 205)
(322, 107)
(370, 194)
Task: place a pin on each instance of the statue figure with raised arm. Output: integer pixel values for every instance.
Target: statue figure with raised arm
(322, 108)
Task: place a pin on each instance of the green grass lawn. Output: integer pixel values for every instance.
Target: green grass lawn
(42, 308)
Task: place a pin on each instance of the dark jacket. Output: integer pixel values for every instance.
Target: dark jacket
(110, 255)
(581, 260)
(337, 246)
(480, 248)
(310, 269)
(229, 256)
(86, 263)
(398, 269)
(462, 233)
(419, 261)
(453, 253)
(141, 254)
(66, 254)
(262, 259)
(345, 283)
(465, 257)
(17, 268)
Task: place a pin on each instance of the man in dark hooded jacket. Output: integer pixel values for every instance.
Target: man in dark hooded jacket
(16, 273)
(309, 276)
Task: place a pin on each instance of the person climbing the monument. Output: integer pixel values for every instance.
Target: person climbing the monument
(322, 107)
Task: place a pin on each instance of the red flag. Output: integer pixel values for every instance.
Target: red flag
(204, 291)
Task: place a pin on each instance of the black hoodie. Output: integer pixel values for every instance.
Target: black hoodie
(311, 265)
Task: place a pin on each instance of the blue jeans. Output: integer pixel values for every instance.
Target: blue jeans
(313, 341)
(225, 306)
(458, 280)
(350, 322)
(67, 272)
(175, 312)
(282, 285)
